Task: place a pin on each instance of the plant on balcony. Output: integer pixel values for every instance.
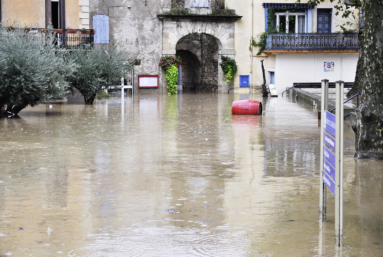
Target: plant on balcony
(32, 71)
(170, 64)
(262, 38)
(97, 69)
(229, 67)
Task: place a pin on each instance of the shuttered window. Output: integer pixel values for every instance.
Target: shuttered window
(199, 3)
(101, 25)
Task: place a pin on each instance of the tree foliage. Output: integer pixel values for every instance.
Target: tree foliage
(98, 69)
(32, 71)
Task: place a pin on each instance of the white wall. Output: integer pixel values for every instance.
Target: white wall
(291, 68)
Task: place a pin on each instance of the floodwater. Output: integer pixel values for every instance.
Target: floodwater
(178, 175)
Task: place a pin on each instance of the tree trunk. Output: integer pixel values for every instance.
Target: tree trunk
(89, 100)
(359, 77)
(369, 126)
(12, 110)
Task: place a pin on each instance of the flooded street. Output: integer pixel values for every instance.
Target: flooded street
(178, 175)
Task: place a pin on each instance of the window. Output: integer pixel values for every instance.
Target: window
(199, 3)
(291, 22)
(55, 9)
(289, 17)
(324, 21)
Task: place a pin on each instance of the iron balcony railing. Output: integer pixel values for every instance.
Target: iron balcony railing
(310, 41)
(71, 39)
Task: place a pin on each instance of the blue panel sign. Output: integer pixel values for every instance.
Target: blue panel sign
(329, 122)
(244, 81)
(329, 182)
(329, 156)
(329, 142)
(330, 170)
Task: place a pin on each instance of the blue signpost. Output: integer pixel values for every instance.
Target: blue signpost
(331, 174)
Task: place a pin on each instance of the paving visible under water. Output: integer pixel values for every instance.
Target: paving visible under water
(178, 175)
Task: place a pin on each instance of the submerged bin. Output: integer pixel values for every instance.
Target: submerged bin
(246, 107)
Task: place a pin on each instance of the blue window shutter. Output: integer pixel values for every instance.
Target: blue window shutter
(266, 19)
(101, 25)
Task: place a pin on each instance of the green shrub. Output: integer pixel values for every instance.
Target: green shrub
(229, 67)
(98, 69)
(172, 77)
(32, 71)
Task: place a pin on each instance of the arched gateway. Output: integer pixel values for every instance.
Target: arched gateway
(200, 44)
(199, 54)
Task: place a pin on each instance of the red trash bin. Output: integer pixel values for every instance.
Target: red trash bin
(246, 107)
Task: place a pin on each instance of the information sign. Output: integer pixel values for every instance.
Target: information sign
(329, 156)
(329, 142)
(331, 162)
(329, 122)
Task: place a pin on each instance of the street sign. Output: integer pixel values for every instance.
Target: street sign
(331, 170)
(329, 123)
(329, 142)
(329, 156)
(329, 176)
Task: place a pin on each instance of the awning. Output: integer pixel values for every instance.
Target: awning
(287, 6)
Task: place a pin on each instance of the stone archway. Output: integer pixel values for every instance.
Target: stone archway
(199, 54)
(174, 31)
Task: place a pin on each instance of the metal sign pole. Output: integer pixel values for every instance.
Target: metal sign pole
(339, 163)
(322, 187)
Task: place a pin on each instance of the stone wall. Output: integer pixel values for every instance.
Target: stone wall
(214, 4)
(134, 26)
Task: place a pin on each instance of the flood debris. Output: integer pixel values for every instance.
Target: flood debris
(173, 211)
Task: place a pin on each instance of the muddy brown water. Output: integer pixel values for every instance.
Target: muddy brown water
(178, 175)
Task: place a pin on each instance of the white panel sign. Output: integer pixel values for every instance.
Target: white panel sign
(273, 90)
(148, 82)
(199, 3)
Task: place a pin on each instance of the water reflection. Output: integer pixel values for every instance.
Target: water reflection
(164, 175)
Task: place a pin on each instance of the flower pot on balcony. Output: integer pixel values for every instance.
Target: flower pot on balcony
(58, 31)
(42, 30)
(87, 31)
(71, 31)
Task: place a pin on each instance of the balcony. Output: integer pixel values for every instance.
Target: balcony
(309, 42)
(72, 39)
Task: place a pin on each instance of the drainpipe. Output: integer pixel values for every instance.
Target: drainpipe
(251, 41)
(62, 20)
(48, 13)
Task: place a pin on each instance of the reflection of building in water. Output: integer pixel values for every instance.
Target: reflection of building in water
(285, 156)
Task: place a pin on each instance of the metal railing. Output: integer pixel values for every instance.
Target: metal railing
(79, 39)
(348, 100)
(310, 41)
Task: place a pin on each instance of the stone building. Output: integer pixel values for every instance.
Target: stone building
(148, 30)
(60, 14)
(200, 31)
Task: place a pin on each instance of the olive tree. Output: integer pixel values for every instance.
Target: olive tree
(98, 69)
(32, 70)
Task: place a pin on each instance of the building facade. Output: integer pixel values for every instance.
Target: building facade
(60, 14)
(304, 43)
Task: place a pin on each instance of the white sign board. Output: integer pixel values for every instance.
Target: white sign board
(199, 3)
(273, 90)
(148, 81)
